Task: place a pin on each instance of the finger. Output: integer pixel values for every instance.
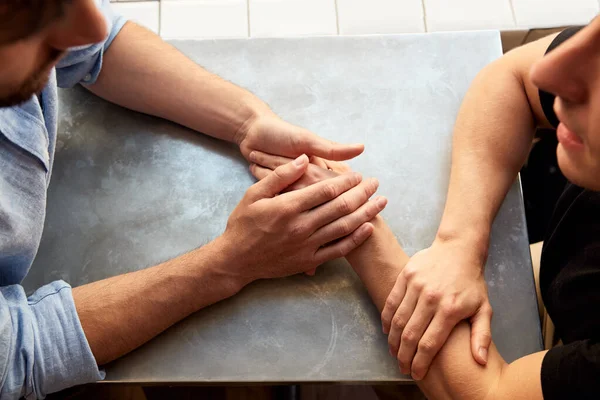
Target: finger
(344, 246)
(338, 166)
(311, 272)
(430, 344)
(268, 160)
(413, 331)
(343, 205)
(321, 192)
(392, 303)
(399, 321)
(317, 146)
(279, 179)
(259, 172)
(348, 224)
(481, 334)
(319, 162)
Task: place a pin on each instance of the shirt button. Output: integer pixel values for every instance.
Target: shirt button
(88, 78)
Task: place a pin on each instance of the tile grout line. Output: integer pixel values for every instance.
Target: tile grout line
(424, 15)
(337, 17)
(160, 2)
(248, 15)
(512, 10)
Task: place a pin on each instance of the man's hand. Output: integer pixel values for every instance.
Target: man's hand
(272, 135)
(439, 287)
(263, 164)
(274, 235)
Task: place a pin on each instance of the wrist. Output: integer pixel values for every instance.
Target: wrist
(381, 247)
(474, 239)
(255, 110)
(221, 266)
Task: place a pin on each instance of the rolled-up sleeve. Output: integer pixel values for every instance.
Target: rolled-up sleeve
(43, 348)
(83, 64)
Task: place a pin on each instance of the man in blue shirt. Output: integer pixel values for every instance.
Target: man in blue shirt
(58, 336)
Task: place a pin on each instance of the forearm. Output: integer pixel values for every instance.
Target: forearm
(492, 138)
(378, 262)
(142, 72)
(121, 313)
(454, 373)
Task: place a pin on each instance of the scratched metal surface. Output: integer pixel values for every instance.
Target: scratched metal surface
(129, 191)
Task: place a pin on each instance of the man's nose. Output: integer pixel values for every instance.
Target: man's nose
(82, 25)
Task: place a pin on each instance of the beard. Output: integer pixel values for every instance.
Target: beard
(32, 85)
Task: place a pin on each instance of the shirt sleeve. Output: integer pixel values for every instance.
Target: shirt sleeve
(547, 99)
(571, 371)
(83, 64)
(43, 348)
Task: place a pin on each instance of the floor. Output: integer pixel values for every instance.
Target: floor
(192, 19)
(305, 392)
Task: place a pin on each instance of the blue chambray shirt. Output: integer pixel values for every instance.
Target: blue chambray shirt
(42, 346)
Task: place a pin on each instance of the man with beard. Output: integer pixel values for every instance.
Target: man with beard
(58, 336)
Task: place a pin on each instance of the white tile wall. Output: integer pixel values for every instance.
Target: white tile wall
(380, 16)
(445, 15)
(292, 17)
(554, 13)
(178, 19)
(145, 13)
(186, 19)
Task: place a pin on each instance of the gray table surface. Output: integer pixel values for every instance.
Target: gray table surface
(129, 191)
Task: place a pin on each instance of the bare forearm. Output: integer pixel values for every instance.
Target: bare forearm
(378, 262)
(492, 137)
(142, 72)
(121, 313)
(454, 374)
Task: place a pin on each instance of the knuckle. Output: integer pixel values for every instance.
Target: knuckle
(427, 346)
(391, 303)
(418, 284)
(410, 271)
(409, 336)
(450, 310)
(432, 296)
(398, 323)
(486, 335)
(297, 230)
(344, 228)
(487, 310)
(344, 207)
(330, 191)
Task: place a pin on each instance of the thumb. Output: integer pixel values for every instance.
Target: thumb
(481, 334)
(317, 146)
(280, 178)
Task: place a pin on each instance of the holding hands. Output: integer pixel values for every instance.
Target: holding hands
(273, 235)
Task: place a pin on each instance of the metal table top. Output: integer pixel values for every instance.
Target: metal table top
(129, 191)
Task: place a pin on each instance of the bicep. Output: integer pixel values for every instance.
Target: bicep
(454, 374)
(520, 61)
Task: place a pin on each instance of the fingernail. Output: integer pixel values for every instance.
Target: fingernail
(357, 177)
(383, 329)
(381, 202)
(391, 351)
(252, 156)
(416, 376)
(375, 183)
(300, 160)
(483, 353)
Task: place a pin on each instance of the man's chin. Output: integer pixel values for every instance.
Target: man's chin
(24, 93)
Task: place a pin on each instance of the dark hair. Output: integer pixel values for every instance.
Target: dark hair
(22, 18)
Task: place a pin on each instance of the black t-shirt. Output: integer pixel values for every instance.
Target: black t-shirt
(570, 285)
